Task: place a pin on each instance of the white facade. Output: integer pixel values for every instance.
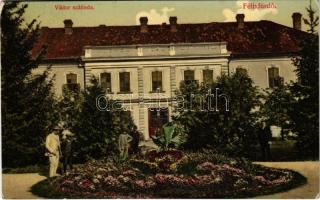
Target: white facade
(257, 69)
(170, 59)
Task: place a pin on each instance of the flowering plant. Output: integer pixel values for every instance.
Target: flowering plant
(104, 179)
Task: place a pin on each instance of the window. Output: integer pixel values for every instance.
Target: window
(72, 85)
(274, 79)
(207, 76)
(71, 78)
(189, 75)
(156, 81)
(241, 70)
(105, 81)
(124, 82)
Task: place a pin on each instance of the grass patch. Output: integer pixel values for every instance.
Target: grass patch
(285, 150)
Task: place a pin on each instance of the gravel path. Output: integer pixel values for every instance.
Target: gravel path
(308, 169)
(17, 186)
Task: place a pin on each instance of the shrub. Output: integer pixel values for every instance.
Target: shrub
(97, 132)
(228, 127)
(163, 161)
(170, 135)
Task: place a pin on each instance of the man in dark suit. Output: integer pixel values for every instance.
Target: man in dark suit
(67, 149)
(264, 135)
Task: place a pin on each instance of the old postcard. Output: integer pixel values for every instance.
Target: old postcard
(160, 99)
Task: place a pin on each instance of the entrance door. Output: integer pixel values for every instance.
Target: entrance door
(157, 118)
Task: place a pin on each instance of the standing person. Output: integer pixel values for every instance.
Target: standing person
(67, 150)
(134, 146)
(264, 139)
(124, 143)
(53, 151)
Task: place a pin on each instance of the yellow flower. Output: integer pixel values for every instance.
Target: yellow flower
(173, 166)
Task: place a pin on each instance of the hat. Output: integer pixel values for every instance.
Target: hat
(66, 133)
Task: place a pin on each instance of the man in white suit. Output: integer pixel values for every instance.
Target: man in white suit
(53, 151)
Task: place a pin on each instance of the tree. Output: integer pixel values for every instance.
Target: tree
(276, 108)
(231, 129)
(305, 113)
(70, 107)
(93, 127)
(28, 103)
(313, 21)
(97, 131)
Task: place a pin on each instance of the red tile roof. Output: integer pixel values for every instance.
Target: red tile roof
(261, 37)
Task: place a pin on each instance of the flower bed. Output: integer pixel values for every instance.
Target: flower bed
(163, 161)
(103, 179)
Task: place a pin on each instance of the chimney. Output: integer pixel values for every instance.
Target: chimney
(173, 24)
(143, 24)
(68, 26)
(240, 20)
(296, 20)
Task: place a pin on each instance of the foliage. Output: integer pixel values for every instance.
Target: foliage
(104, 179)
(29, 109)
(97, 131)
(93, 127)
(313, 20)
(162, 161)
(171, 135)
(305, 112)
(277, 107)
(210, 122)
(70, 106)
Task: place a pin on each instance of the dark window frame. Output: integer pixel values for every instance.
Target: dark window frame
(107, 82)
(189, 77)
(156, 81)
(274, 79)
(124, 82)
(67, 79)
(205, 78)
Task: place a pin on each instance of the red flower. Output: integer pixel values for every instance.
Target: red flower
(67, 182)
(192, 181)
(86, 183)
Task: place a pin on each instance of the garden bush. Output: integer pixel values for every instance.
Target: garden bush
(210, 122)
(107, 179)
(162, 161)
(96, 131)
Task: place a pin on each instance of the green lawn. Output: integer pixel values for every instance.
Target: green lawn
(285, 150)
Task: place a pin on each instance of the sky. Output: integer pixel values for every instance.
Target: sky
(128, 12)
